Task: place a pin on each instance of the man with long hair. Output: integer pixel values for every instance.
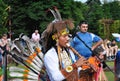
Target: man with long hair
(59, 60)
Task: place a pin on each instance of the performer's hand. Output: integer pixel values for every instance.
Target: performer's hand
(81, 61)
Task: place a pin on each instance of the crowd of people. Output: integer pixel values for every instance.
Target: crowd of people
(111, 49)
(76, 59)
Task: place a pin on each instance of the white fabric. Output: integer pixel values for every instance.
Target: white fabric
(52, 65)
(92, 35)
(35, 37)
(116, 34)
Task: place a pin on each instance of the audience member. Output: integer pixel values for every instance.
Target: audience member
(4, 42)
(90, 39)
(113, 49)
(36, 36)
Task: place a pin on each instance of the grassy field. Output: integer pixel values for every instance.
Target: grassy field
(109, 74)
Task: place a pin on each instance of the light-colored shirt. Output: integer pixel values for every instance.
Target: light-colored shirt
(36, 37)
(51, 62)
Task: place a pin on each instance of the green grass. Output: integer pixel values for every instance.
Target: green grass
(109, 74)
(0, 71)
(110, 63)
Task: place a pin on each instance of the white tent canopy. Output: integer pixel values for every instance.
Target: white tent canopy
(116, 35)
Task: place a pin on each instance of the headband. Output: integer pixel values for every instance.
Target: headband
(62, 32)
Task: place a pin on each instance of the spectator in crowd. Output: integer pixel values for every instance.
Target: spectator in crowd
(36, 36)
(113, 49)
(4, 42)
(90, 39)
(106, 48)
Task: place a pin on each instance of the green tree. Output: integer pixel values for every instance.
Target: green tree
(28, 15)
(106, 11)
(94, 13)
(3, 17)
(111, 12)
(115, 10)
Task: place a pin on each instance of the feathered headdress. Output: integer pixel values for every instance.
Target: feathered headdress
(56, 14)
(57, 17)
(56, 28)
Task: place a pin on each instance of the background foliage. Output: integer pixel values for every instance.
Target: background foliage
(3, 17)
(28, 15)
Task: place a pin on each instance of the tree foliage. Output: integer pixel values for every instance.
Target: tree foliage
(94, 14)
(3, 17)
(28, 15)
(115, 10)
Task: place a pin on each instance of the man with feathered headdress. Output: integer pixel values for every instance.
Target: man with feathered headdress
(59, 60)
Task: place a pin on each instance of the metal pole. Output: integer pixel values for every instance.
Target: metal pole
(4, 66)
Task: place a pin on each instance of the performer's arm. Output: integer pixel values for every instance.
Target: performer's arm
(68, 70)
(52, 67)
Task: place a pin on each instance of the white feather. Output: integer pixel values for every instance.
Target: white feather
(38, 63)
(35, 66)
(41, 55)
(17, 74)
(16, 79)
(17, 69)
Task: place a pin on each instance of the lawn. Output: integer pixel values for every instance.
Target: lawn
(109, 74)
(0, 71)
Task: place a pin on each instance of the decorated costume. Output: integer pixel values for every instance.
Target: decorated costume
(52, 63)
(30, 58)
(59, 60)
(87, 74)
